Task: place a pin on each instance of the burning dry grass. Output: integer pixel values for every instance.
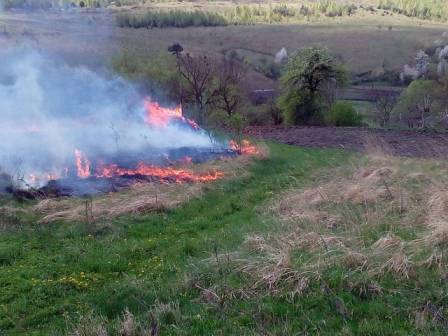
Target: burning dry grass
(141, 198)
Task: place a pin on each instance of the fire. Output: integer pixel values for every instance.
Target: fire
(156, 116)
(39, 178)
(162, 173)
(82, 164)
(159, 116)
(244, 148)
(177, 175)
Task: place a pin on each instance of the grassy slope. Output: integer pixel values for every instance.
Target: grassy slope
(50, 275)
(134, 260)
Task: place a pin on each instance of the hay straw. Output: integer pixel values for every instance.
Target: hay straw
(399, 264)
(389, 241)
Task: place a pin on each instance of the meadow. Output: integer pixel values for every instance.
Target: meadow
(312, 241)
(295, 241)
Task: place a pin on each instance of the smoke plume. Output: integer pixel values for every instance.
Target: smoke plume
(49, 110)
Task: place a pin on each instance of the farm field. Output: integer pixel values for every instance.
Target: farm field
(364, 44)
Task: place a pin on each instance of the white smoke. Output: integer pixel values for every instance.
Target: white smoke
(49, 109)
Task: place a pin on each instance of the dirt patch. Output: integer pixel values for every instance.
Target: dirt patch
(398, 143)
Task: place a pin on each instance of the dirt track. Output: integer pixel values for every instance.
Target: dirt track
(400, 143)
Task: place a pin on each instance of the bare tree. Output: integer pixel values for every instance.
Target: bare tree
(424, 108)
(227, 94)
(196, 73)
(384, 104)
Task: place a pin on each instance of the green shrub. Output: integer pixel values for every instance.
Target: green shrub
(424, 9)
(343, 114)
(284, 10)
(269, 69)
(419, 105)
(304, 82)
(172, 18)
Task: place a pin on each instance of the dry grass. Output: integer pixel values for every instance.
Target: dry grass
(273, 268)
(90, 326)
(354, 260)
(437, 217)
(399, 264)
(326, 224)
(140, 198)
(389, 241)
(128, 325)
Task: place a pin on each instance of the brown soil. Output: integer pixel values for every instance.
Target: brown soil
(399, 143)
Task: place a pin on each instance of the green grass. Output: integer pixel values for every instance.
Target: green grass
(51, 275)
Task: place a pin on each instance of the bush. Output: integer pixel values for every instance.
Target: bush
(172, 18)
(305, 79)
(270, 69)
(419, 105)
(344, 114)
(284, 10)
(424, 9)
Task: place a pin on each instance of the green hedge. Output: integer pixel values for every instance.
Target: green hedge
(344, 114)
(172, 18)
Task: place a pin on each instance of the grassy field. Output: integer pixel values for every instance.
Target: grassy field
(305, 241)
(363, 42)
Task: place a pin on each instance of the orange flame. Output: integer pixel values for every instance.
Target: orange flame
(167, 173)
(82, 164)
(157, 115)
(160, 116)
(245, 147)
(38, 178)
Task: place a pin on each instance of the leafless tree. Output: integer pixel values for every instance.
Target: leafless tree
(227, 95)
(424, 108)
(196, 73)
(384, 104)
